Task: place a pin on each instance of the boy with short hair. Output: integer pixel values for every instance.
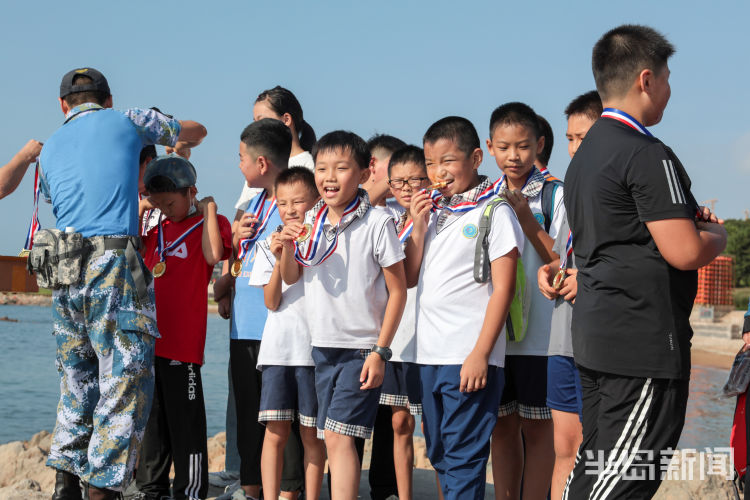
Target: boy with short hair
(638, 237)
(264, 153)
(285, 358)
(515, 141)
(460, 321)
(542, 159)
(190, 238)
(381, 148)
(557, 281)
(355, 293)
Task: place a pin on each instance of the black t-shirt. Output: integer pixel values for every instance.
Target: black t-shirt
(631, 313)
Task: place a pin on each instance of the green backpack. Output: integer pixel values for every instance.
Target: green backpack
(518, 314)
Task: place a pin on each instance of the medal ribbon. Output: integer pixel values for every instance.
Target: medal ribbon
(34, 225)
(162, 250)
(246, 243)
(318, 234)
(403, 235)
(568, 252)
(623, 117)
(465, 206)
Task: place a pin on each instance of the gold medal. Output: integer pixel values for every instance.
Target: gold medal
(305, 233)
(236, 268)
(557, 283)
(159, 269)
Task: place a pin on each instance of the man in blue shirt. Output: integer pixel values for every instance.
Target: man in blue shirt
(105, 325)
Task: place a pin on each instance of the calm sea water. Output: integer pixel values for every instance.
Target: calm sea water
(29, 384)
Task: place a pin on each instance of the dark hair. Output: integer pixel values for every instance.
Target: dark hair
(345, 141)
(269, 138)
(162, 184)
(588, 104)
(77, 98)
(385, 142)
(622, 53)
(283, 101)
(549, 140)
(297, 174)
(515, 113)
(147, 152)
(407, 154)
(456, 129)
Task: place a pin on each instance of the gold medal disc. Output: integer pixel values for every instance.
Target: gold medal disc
(236, 268)
(557, 283)
(305, 233)
(159, 269)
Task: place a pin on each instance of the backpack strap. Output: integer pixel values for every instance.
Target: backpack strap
(548, 200)
(481, 251)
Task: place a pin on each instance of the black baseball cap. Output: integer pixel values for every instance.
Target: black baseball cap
(98, 84)
(175, 168)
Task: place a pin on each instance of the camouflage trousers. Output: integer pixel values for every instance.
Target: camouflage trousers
(105, 356)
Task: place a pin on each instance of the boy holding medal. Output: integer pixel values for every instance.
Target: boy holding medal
(638, 237)
(264, 153)
(460, 321)
(189, 239)
(515, 141)
(355, 292)
(557, 281)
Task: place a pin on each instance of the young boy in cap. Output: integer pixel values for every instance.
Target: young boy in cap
(189, 239)
(638, 237)
(106, 356)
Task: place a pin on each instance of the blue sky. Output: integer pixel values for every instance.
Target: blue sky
(370, 67)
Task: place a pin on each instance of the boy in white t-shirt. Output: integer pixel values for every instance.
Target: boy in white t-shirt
(515, 140)
(355, 292)
(288, 387)
(459, 325)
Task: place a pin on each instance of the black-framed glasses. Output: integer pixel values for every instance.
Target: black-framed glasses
(413, 182)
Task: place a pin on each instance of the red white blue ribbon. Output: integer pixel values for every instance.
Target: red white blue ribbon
(465, 206)
(162, 250)
(310, 257)
(34, 225)
(260, 204)
(568, 252)
(623, 117)
(404, 234)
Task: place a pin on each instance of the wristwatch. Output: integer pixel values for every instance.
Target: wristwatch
(383, 352)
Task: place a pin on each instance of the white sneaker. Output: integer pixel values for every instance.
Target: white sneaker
(230, 491)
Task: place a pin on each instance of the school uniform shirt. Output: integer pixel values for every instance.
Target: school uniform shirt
(450, 305)
(286, 338)
(560, 339)
(182, 291)
(304, 159)
(249, 310)
(536, 340)
(631, 313)
(404, 343)
(346, 294)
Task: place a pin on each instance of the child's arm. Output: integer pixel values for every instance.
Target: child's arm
(534, 232)
(213, 248)
(12, 172)
(420, 208)
(474, 369)
(545, 276)
(223, 286)
(144, 204)
(395, 281)
(272, 289)
(290, 269)
(688, 245)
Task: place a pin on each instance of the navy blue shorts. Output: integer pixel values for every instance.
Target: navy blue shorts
(564, 391)
(401, 386)
(525, 390)
(343, 407)
(288, 391)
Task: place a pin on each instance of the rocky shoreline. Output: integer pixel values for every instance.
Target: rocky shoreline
(24, 299)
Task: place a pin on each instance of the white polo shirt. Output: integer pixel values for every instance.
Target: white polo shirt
(536, 340)
(286, 338)
(451, 306)
(345, 296)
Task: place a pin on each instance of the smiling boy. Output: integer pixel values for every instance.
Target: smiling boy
(355, 293)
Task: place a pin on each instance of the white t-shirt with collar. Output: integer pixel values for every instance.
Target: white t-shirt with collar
(345, 296)
(536, 340)
(286, 338)
(450, 305)
(304, 159)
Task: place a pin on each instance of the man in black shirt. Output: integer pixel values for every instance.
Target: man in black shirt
(638, 237)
